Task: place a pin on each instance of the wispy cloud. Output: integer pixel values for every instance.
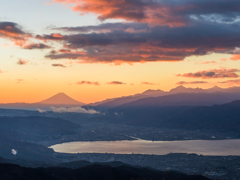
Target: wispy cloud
(193, 82)
(231, 82)
(19, 80)
(22, 62)
(116, 83)
(235, 57)
(36, 46)
(41, 111)
(88, 83)
(148, 83)
(213, 73)
(208, 62)
(224, 59)
(58, 65)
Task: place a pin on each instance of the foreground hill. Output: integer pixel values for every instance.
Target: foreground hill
(21, 134)
(92, 172)
(25, 150)
(35, 128)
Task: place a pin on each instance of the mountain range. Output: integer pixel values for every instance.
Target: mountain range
(214, 95)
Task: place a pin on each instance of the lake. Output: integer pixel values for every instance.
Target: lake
(203, 147)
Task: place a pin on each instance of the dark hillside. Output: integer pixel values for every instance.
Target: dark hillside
(92, 172)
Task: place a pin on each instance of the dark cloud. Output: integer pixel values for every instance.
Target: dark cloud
(58, 65)
(193, 82)
(64, 51)
(14, 32)
(107, 27)
(88, 83)
(54, 36)
(214, 73)
(159, 12)
(36, 46)
(142, 43)
(115, 83)
(10, 29)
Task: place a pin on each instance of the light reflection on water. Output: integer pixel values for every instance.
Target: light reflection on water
(204, 147)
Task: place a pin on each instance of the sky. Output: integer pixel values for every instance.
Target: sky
(98, 49)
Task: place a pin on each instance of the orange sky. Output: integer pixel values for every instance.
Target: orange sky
(92, 53)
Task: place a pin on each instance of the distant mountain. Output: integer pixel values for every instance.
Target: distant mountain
(111, 103)
(215, 89)
(60, 99)
(152, 92)
(116, 102)
(233, 90)
(92, 172)
(183, 99)
(182, 89)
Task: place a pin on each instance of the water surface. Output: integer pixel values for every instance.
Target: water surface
(204, 147)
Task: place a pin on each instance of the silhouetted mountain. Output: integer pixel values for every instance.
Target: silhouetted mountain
(60, 99)
(233, 103)
(215, 89)
(111, 103)
(92, 172)
(152, 92)
(184, 99)
(114, 102)
(233, 90)
(182, 89)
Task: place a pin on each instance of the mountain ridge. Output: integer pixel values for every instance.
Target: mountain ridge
(115, 102)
